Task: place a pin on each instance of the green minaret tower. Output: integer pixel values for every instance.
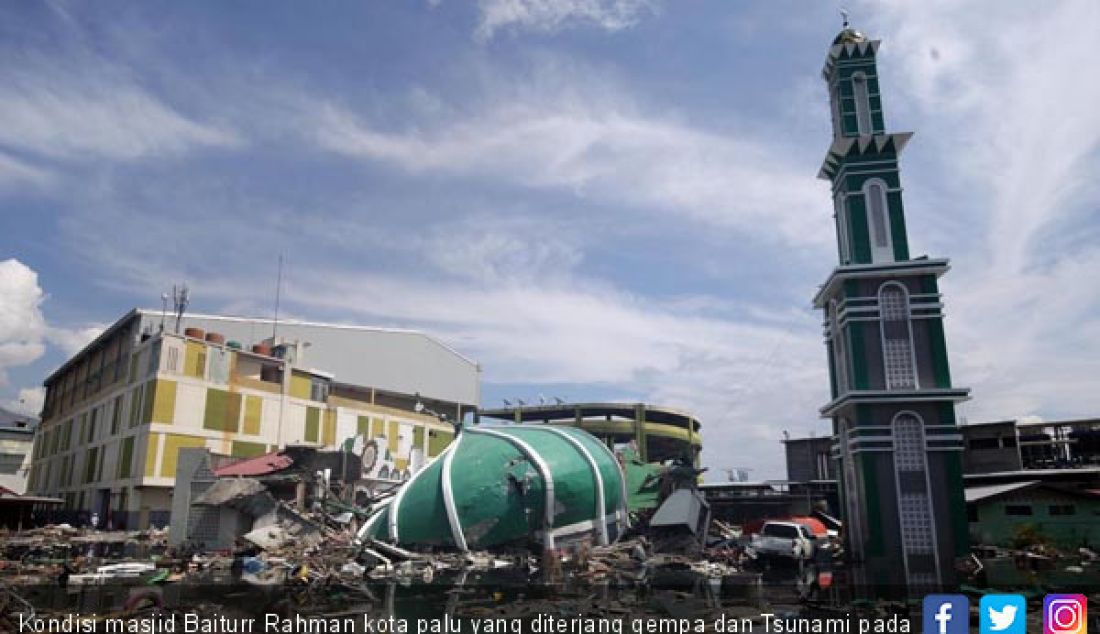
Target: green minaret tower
(893, 406)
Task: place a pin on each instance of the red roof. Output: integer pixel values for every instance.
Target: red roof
(262, 465)
(814, 524)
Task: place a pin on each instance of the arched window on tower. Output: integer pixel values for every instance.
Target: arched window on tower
(898, 361)
(918, 536)
(878, 220)
(863, 103)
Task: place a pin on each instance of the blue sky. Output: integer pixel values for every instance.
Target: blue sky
(593, 198)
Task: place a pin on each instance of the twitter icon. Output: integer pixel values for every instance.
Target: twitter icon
(1002, 614)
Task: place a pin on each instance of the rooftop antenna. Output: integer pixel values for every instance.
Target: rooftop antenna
(181, 296)
(278, 292)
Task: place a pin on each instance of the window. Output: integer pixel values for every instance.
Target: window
(116, 414)
(1018, 509)
(1008, 441)
(91, 425)
(1062, 509)
(914, 507)
(983, 443)
(780, 530)
(878, 220)
(318, 390)
(863, 103)
(897, 340)
(172, 361)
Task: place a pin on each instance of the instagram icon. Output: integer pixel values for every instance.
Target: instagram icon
(1065, 614)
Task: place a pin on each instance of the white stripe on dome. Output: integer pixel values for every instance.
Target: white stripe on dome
(600, 502)
(544, 471)
(396, 505)
(371, 521)
(624, 510)
(449, 498)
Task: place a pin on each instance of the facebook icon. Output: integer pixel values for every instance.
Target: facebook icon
(946, 614)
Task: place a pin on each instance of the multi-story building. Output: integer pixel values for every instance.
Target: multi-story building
(117, 413)
(16, 437)
(893, 404)
(1031, 444)
(810, 459)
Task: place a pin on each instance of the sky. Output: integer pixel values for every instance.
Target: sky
(595, 199)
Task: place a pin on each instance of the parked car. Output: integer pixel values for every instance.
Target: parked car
(784, 540)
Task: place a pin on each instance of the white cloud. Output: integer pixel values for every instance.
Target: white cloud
(91, 110)
(736, 375)
(602, 149)
(24, 333)
(72, 341)
(1000, 94)
(16, 172)
(22, 327)
(548, 16)
(29, 401)
(494, 250)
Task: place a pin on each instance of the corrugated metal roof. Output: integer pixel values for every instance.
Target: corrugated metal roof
(976, 494)
(262, 465)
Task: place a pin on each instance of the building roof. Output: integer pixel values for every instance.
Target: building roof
(261, 465)
(11, 497)
(16, 421)
(395, 360)
(988, 492)
(569, 411)
(977, 494)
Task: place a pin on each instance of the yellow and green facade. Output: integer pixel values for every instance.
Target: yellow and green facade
(114, 422)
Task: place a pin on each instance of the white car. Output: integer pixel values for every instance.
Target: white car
(786, 540)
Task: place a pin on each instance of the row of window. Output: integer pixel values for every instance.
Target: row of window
(861, 96)
(91, 468)
(992, 443)
(101, 421)
(1026, 510)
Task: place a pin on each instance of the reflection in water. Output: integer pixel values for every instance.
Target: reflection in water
(452, 597)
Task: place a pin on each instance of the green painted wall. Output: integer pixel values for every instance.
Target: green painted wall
(861, 238)
(996, 526)
(313, 424)
(223, 410)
